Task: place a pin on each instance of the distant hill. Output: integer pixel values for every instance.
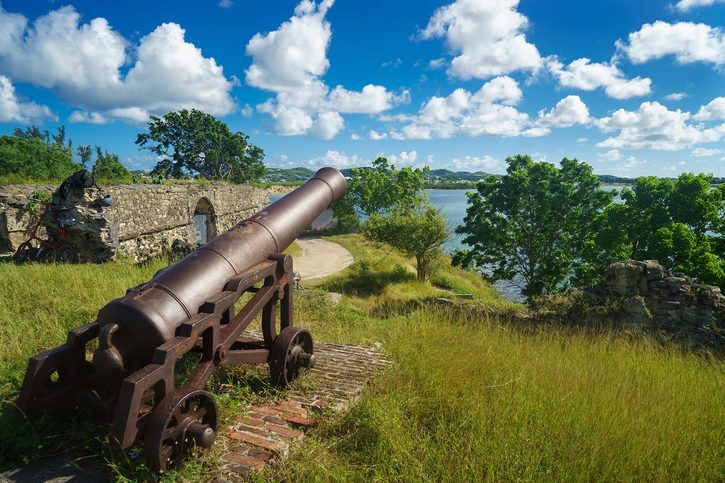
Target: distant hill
(435, 178)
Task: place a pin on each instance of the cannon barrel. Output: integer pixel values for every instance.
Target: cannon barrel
(132, 326)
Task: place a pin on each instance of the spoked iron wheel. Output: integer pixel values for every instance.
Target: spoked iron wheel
(66, 253)
(183, 420)
(290, 355)
(23, 253)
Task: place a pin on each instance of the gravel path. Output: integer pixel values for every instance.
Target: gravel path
(320, 258)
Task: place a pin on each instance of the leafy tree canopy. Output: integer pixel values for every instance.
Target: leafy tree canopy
(417, 231)
(34, 154)
(377, 189)
(534, 224)
(678, 222)
(196, 143)
(109, 168)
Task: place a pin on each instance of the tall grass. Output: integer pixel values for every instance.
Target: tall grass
(465, 403)
(469, 397)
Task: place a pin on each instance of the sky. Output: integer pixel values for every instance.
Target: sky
(632, 87)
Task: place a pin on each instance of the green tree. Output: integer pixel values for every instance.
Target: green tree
(377, 189)
(417, 231)
(30, 155)
(107, 167)
(677, 222)
(535, 224)
(196, 143)
(84, 152)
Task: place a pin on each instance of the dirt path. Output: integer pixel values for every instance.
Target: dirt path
(320, 258)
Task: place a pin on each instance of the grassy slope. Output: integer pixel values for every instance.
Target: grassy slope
(466, 399)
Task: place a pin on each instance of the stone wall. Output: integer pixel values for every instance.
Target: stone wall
(141, 221)
(644, 295)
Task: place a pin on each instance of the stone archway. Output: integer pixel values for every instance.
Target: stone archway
(204, 221)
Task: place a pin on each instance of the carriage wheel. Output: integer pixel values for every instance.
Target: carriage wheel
(23, 253)
(183, 420)
(290, 354)
(66, 253)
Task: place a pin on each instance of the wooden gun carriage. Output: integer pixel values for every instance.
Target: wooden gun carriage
(187, 308)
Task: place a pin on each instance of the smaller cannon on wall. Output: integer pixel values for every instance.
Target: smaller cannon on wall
(187, 308)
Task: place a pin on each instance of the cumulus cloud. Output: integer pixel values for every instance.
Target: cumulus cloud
(688, 42)
(714, 110)
(291, 61)
(611, 155)
(377, 136)
(336, 159)
(705, 152)
(486, 38)
(83, 63)
(653, 126)
(88, 117)
(485, 163)
(567, 112)
(12, 109)
(685, 5)
(676, 96)
(586, 75)
(405, 158)
(488, 111)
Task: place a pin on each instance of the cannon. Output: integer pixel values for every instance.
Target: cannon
(127, 364)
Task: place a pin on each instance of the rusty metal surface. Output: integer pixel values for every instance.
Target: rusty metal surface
(187, 309)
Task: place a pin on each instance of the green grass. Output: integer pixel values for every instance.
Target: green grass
(470, 396)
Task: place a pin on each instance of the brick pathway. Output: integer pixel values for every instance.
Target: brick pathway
(266, 433)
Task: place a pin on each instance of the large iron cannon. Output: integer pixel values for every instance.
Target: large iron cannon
(187, 310)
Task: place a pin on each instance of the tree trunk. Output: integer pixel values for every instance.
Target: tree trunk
(420, 267)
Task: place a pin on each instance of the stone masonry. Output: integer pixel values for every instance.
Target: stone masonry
(142, 221)
(645, 295)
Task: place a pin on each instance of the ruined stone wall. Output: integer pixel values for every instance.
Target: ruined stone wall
(142, 221)
(644, 295)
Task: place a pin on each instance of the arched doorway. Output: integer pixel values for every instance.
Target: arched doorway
(204, 221)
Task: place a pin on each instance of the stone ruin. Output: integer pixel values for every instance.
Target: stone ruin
(133, 221)
(644, 295)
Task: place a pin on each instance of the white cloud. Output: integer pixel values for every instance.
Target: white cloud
(485, 163)
(355, 137)
(611, 155)
(676, 96)
(404, 158)
(628, 165)
(88, 117)
(653, 126)
(291, 61)
(485, 112)
(581, 140)
(226, 3)
(567, 112)
(377, 136)
(336, 159)
(705, 152)
(714, 110)
(685, 5)
(12, 109)
(82, 62)
(586, 75)
(536, 132)
(489, 111)
(486, 37)
(688, 42)
(247, 111)
(327, 125)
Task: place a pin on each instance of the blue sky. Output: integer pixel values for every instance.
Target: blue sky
(634, 88)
